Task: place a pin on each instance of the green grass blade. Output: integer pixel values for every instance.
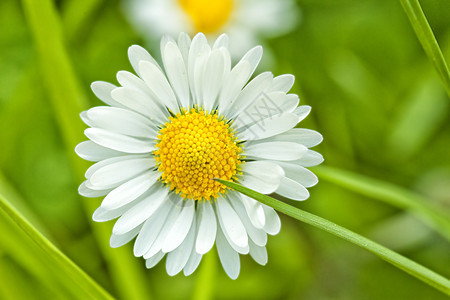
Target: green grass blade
(401, 262)
(68, 268)
(426, 37)
(68, 100)
(390, 194)
(38, 267)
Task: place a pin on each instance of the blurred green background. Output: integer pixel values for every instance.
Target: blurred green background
(376, 99)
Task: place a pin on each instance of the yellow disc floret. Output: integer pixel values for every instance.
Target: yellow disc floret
(193, 148)
(207, 16)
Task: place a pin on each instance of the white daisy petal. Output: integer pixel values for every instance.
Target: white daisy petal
(252, 92)
(92, 169)
(253, 56)
(141, 211)
(237, 78)
(175, 211)
(273, 224)
(140, 102)
(198, 46)
(84, 191)
(207, 227)
(221, 41)
(302, 112)
(184, 43)
(228, 257)
(192, 264)
(121, 121)
(118, 240)
(180, 227)
(255, 183)
(233, 84)
(255, 211)
(178, 258)
(309, 159)
(164, 41)
(154, 260)
(136, 54)
(177, 72)
(299, 174)
(118, 142)
(258, 253)
(283, 151)
(84, 117)
(151, 228)
(104, 215)
(283, 83)
(231, 223)
(198, 75)
(158, 84)
(227, 64)
(258, 236)
(91, 151)
(103, 91)
(269, 127)
(266, 106)
(130, 190)
(306, 137)
(212, 79)
(267, 175)
(118, 171)
(291, 103)
(292, 189)
(262, 176)
(131, 81)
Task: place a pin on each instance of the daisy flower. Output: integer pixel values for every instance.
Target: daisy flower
(245, 21)
(165, 134)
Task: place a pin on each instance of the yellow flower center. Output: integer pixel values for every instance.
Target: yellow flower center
(207, 16)
(193, 148)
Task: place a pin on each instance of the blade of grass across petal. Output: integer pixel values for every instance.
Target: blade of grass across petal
(426, 275)
(68, 268)
(67, 100)
(426, 37)
(388, 193)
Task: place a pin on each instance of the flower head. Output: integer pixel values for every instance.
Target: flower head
(245, 21)
(164, 136)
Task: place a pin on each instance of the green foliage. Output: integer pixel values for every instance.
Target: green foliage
(376, 97)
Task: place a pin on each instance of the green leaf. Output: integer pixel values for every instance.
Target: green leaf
(390, 194)
(401, 262)
(426, 37)
(67, 267)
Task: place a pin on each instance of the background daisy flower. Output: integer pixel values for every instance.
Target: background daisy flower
(247, 22)
(161, 140)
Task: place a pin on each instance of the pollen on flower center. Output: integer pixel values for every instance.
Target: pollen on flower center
(207, 16)
(193, 148)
